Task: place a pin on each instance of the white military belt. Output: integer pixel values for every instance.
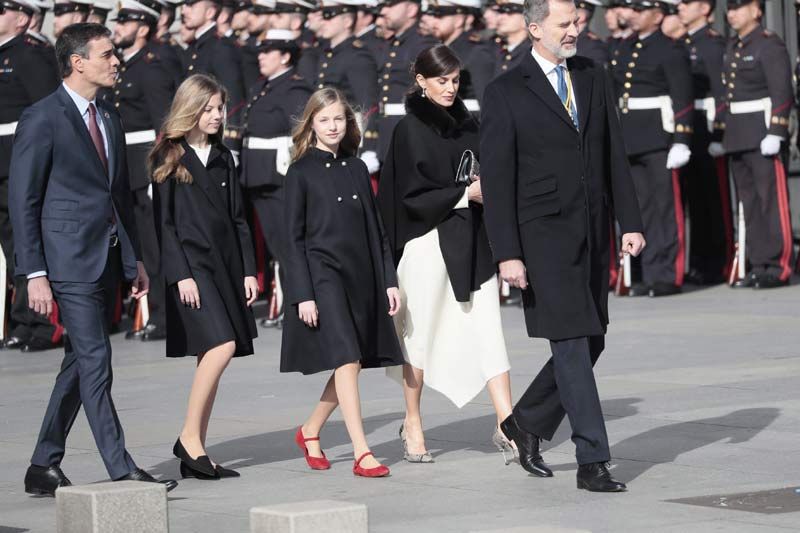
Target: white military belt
(260, 143)
(762, 105)
(8, 129)
(709, 108)
(140, 137)
(394, 110)
(472, 105)
(662, 103)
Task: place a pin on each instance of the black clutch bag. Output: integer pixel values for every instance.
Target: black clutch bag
(468, 168)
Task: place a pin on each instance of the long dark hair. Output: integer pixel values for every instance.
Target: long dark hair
(438, 60)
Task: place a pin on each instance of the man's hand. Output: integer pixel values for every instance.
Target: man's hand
(513, 272)
(40, 297)
(141, 284)
(633, 244)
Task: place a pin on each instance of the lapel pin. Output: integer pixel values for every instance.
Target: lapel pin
(106, 114)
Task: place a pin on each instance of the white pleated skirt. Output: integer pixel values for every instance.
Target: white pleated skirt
(459, 345)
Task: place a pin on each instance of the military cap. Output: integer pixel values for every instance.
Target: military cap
(136, 10)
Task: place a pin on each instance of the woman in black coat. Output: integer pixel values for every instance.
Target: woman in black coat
(341, 283)
(449, 327)
(207, 255)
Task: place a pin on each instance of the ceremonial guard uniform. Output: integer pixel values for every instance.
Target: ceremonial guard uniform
(706, 177)
(589, 44)
(369, 35)
(394, 80)
(509, 56)
(272, 107)
(218, 56)
(655, 88)
(166, 48)
(27, 74)
(758, 78)
(142, 95)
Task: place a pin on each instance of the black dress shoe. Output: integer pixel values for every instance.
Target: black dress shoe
(154, 333)
(134, 335)
(639, 289)
(272, 322)
(226, 472)
(527, 446)
(747, 282)
(141, 475)
(595, 477)
(663, 289)
(12, 343)
(201, 467)
(44, 480)
(38, 345)
(768, 281)
(699, 277)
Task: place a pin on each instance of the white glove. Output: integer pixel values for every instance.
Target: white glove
(370, 159)
(716, 150)
(771, 145)
(678, 156)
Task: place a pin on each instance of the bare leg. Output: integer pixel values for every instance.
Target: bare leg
(327, 404)
(206, 378)
(500, 392)
(412, 390)
(346, 378)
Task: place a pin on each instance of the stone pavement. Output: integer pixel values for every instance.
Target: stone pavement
(700, 394)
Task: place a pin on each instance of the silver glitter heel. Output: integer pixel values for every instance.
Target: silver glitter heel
(413, 457)
(504, 446)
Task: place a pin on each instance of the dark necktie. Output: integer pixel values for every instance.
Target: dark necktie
(97, 137)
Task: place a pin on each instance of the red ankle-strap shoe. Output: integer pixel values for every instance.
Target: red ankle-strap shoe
(315, 463)
(378, 471)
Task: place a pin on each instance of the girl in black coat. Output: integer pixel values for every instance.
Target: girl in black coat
(207, 256)
(341, 283)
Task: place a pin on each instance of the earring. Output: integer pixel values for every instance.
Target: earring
(424, 93)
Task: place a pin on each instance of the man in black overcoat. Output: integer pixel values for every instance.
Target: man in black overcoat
(553, 160)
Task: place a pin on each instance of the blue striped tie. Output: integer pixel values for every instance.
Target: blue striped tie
(563, 93)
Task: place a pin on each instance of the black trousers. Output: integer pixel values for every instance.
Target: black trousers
(151, 256)
(658, 191)
(86, 376)
(761, 187)
(566, 386)
(707, 196)
(268, 205)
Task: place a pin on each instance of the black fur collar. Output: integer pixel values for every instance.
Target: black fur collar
(446, 121)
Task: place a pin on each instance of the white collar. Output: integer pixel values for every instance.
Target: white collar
(546, 65)
(5, 41)
(281, 73)
(365, 30)
(130, 56)
(692, 32)
(81, 102)
(202, 31)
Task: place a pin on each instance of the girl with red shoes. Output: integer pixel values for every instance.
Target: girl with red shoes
(341, 282)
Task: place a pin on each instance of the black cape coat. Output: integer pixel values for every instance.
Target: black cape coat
(204, 236)
(418, 192)
(338, 256)
(546, 192)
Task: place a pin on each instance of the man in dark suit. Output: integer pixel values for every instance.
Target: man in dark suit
(552, 161)
(74, 231)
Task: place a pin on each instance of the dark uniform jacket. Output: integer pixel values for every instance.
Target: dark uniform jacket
(27, 74)
(505, 60)
(310, 51)
(593, 47)
(477, 60)
(394, 79)
(270, 113)
(655, 66)
(376, 45)
(142, 95)
(170, 54)
(756, 67)
(706, 48)
(249, 55)
(219, 57)
(547, 189)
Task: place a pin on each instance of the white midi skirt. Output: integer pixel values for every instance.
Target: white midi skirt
(458, 345)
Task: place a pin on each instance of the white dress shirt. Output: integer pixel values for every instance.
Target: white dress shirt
(549, 69)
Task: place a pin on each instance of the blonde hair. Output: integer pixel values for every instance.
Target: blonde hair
(190, 100)
(303, 136)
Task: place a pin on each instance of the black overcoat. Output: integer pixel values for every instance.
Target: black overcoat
(204, 236)
(546, 192)
(418, 192)
(338, 256)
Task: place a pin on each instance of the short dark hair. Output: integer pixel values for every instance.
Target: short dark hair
(75, 40)
(438, 60)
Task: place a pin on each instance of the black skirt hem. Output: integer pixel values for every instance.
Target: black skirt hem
(240, 351)
(370, 363)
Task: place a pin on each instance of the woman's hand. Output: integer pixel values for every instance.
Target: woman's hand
(308, 313)
(474, 192)
(190, 295)
(250, 289)
(395, 303)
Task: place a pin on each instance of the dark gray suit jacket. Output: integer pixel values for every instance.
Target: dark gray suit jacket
(63, 204)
